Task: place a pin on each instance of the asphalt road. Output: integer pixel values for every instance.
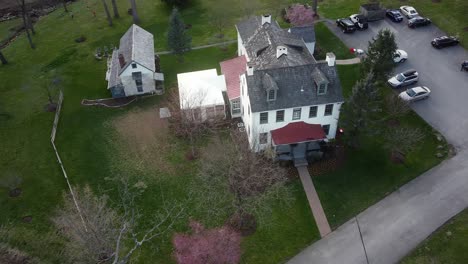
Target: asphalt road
(439, 70)
(389, 230)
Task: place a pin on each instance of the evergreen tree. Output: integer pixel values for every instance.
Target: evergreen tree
(380, 54)
(359, 112)
(177, 38)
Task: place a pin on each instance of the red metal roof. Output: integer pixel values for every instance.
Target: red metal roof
(297, 132)
(232, 69)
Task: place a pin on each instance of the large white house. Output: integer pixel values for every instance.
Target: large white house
(132, 69)
(286, 99)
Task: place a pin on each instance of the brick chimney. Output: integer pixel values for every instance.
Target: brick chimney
(121, 60)
(331, 59)
(266, 19)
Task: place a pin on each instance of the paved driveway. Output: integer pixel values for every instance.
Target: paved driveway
(390, 229)
(447, 108)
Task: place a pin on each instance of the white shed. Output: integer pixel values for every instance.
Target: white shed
(201, 94)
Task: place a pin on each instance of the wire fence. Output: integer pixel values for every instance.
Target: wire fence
(52, 140)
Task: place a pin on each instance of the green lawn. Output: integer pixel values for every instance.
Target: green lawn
(92, 153)
(449, 15)
(328, 42)
(446, 245)
(6, 26)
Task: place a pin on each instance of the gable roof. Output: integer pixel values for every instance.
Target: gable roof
(137, 45)
(297, 132)
(261, 42)
(296, 87)
(307, 33)
(232, 69)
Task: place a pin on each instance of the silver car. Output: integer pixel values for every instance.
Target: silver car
(405, 78)
(415, 93)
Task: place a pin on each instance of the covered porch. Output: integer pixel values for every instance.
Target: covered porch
(298, 142)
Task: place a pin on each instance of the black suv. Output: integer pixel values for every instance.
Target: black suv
(346, 25)
(445, 41)
(418, 22)
(394, 15)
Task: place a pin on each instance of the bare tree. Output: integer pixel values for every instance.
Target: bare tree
(395, 107)
(221, 15)
(3, 59)
(236, 180)
(116, 10)
(314, 7)
(186, 117)
(402, 140)
(24, 15)
(64, 2)
(136, 19)
(248, 7)
(110, 237)
(11, 255)
(106, 9)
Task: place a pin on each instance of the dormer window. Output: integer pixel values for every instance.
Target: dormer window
(322, 88)
(271, 95)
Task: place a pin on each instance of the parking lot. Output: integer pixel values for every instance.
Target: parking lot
(439, 70)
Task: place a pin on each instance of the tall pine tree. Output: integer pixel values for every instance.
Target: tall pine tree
(177, 38)
(380, 54)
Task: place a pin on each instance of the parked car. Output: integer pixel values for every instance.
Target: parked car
(418, 22)
(394, 15)
(360, 21)
(415, 94)
(408, 11)
(346, 25)
(405, 78)
(444, 41)
(464, 66)
(400, 56)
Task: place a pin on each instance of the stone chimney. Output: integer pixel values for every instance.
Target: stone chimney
(330, 59)
(121, 60)
(281, 50)
(250, 70)
(266, 19)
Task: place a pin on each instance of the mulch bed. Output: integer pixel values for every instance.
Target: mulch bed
(334, 161)
(27, 219)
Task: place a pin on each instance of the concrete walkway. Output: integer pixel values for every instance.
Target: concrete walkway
(314, 201)
(390, 229)
(348, 61)
(203, 46)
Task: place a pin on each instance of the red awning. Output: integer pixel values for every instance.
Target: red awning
(297, 132)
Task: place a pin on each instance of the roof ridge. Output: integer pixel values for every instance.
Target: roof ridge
(133, 42)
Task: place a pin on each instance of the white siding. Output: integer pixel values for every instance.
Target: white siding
(257, 128)
(130, 85)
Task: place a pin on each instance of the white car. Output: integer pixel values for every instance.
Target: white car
(400, 56)
(405, 78)
(408, 11)
(415, 93)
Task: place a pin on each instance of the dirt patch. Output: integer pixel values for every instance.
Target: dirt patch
(15, 192)
(27, 219)
(146, 138)
(465, 29)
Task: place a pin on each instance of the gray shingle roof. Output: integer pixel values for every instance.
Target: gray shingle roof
(137, 45)
(306, 33)
(261, 41)
(296, 87)
(114, 70)
(319, 76)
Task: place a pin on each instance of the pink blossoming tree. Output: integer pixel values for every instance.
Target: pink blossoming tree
(207, 246)
(300, 15)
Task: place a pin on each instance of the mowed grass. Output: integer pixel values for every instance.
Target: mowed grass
(446, 245)
(449, 15)
(90, 146)
(328, 42)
